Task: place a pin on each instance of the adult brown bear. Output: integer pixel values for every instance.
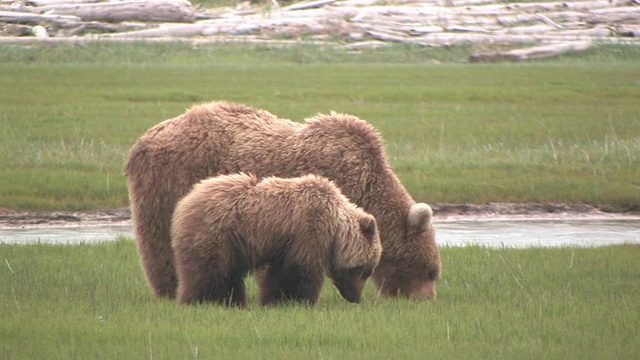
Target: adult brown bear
(225, 138)
(298, 229)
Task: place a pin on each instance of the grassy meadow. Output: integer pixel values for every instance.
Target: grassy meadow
(92, 302)
(565, 130)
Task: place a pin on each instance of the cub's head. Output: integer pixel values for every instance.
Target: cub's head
(356, 256)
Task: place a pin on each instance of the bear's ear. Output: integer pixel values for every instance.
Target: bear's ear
(420, 216)
(368, 226)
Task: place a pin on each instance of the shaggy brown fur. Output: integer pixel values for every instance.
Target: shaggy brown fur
(223, 138)
(299, 228)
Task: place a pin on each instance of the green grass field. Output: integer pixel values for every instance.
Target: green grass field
(564, 130)
(92, 302)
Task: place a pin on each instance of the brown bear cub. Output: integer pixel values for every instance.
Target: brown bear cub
(296, 229)
(226, 138)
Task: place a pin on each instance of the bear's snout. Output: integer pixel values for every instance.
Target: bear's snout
(426, 291)
(351, 296)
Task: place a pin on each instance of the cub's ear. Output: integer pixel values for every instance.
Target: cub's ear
(420, 216)
(368, 226)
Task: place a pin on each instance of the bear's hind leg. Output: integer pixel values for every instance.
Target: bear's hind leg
(291, 284)
(154, 244)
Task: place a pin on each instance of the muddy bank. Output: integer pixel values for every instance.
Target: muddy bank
(10, 218)
(443, 213)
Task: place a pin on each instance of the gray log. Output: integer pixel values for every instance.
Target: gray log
(133, 10)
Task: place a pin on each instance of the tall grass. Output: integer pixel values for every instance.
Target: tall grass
(555, 131)
(92, 302)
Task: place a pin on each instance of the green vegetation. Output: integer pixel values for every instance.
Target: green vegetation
(92, 302)
(563, 130)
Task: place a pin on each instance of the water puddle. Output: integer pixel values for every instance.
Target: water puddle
(489, 233)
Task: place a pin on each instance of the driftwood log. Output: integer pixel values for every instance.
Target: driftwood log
(534, 29)
(55, 2)
(138, 10)
(536, 52)
(30, 18)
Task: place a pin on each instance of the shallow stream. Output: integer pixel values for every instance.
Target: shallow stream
(489, 233)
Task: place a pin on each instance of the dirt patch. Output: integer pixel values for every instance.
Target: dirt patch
(443, 212)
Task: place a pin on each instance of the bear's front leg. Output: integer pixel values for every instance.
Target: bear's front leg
(290, 284)
(237, 294)
(203, 287)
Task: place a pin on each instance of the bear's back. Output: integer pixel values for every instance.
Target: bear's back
(211, 139)
(211, 204)
(291, 206)
(222, 138)
(216, 126)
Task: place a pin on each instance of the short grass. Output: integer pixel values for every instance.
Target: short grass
(565, 130)
(92, 302)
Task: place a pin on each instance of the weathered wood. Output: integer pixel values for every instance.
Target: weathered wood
(536, 52)
(551, 17)
(533, 8)
(57, 2)
(548, 21)
(17, 30)
(358, 3)
(591, 5)
(29, 18)
(469, 2)
(600, 31)
(178, 30)
(632, 31)
(132, 10)
(614, 15)
(459, 39)
(421, 30)
(367, 23)
(307, 5)
(516, 19)
(194, 41)
(534, 29)
(470, 29)
(18, 8)
(100, 27)
(366, 45)
(387, 35)
(616, 9)
(435, 19)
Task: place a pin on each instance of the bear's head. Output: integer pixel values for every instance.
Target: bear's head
(356, 256)
(413, 269)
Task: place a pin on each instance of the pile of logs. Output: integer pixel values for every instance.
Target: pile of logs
(536, 29)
